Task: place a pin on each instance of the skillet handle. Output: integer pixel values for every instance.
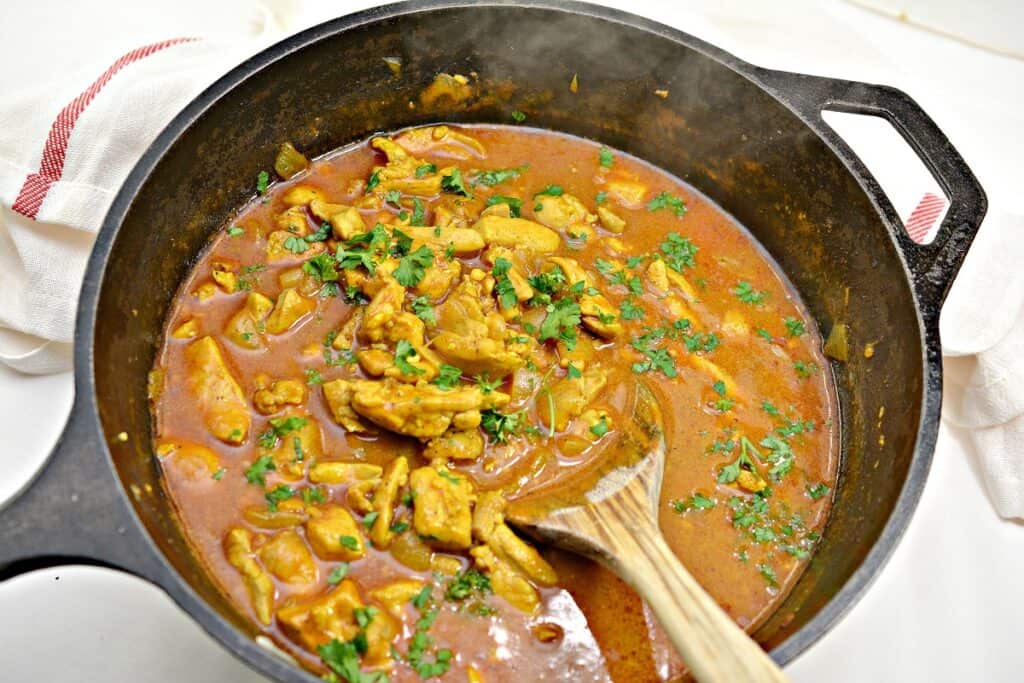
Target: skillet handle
(933, 265)
(74, 512)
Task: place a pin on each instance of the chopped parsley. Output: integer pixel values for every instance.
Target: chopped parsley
(338, 574)
(419, 213)
(518, 116)
(454, 184)
(816, 491)
(572, 372)
(501, 426)
(316, 494)
(665, 200)
(343, 660)
(719, 387)
(277, 494)
(425, 170)
(795, 327)
(403, 351)
(679, 251)
(763, 333)
(219, 474)
(369, 518)
(424, 309)
(296, 245)
(313, 377)
(412, 267)
(373, 182)
(498, 175)
(601, 197)
(657, 358)
(746, 293)
(466, 583)
(321, 267)
(448, 376)
(488, 385)
(551, 191)
(279, 428)
(503, 286)
(262, 180)
(600, 428)
(605, 157)
(804, 370)
(695, 502)
(349, 542)
(235, 231)
(514, 203)
(256, 473)
(561, 322)
(630, 311)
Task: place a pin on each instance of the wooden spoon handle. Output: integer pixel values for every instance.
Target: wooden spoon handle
(714, 648)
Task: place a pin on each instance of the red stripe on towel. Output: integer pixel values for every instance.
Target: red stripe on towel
(924, 216)
(36, 185)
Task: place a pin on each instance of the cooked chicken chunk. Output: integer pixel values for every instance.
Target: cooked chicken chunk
(455, 445)
(270, 399)
(246, 327)
(385, 497)
(567, 214)
(289, 309)
(338, 395)
(300, 446)
(238, 548)
(334, 534)
(472, 339)
(343, 472)
(219, 399)
(517, 233)
(396, 595)
(287, 557)
(442, 504)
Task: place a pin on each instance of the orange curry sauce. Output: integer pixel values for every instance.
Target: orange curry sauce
(728, 349)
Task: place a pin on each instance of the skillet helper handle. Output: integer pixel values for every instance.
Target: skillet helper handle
(714, 648)
(933, 265)
(73, 512)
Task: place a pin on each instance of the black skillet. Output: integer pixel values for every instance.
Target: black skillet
(751, 139)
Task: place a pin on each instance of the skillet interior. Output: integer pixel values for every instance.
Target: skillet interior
(716, 130)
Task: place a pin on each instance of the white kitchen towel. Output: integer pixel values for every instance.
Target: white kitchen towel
(70, 136)
(69, 139)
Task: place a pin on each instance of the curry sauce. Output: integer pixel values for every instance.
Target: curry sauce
(388, 345)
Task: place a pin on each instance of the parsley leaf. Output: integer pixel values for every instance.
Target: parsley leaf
(746, 293)
(235, 231)
(500, 426)
(296, 245)
(262, 180)
(601, 197)
(498, 175)
(561, 321)
(518, 116)
(795, 327)
(600, 428)
(514, 203)
(419, 214)
(665, 200)
(448, 376)
(373, 182)
(466, 583)
(454, 184)
(338, 574)
(279, 428)
(313, 377)
(256, 473)
(605, 157)
(425, 170)
(424, 309)
(679, 251)
(403, 350)
(321, 267)
(277, 494)
(503, 286)
(816, 491)
(412, 267)
(349, 542)
(551, 191)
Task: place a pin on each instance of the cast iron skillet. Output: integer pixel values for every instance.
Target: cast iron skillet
(751, 139)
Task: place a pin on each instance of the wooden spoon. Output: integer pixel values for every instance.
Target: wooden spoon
(610, 515)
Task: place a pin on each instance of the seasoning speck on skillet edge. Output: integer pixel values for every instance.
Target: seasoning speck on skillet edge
(388, 343)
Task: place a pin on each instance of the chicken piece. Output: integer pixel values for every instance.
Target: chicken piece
(299, 446)
(751, 481)
(269, 400)
(245, 327)
(344, 472)
(442, 507)
(565, 213)
(359, 495)
(680, 281)
(396, 475)
(374, 362)
(629, 193)
(611, 220)
(396, 595)
(441, 139)
(278, 242)
(290, 513)
(657, 275)
(400, 171)
(226, 275)
(382, 312)
(219, 399)
(300, 195)
(455, 445)
(519, 282)
(506, 581)
(517, 233)
(338, 394)
(294, 220)
(197, 462)
(469, 338)
(734, 324)
(462, 240)
(346, 221)
(580, 355)
(259, 585)
(331, 616)
(334, 534)
(438, 278)
(456, 211)
(287, 557)
(596, 314)
(291, 307)
(347, 334)
(205, 291)
(490, 528)
(423, 410)
(572, 396)
(715, 371)
(187, 330)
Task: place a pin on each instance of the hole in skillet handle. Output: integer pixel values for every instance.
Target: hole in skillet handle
(933, 264)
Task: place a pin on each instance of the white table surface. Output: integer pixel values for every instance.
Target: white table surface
(948, 605)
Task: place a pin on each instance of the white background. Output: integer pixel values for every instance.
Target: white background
(946, 608)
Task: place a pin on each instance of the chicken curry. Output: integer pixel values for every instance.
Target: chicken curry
(389, 344)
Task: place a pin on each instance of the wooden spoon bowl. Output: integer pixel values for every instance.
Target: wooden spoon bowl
(610, 515)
